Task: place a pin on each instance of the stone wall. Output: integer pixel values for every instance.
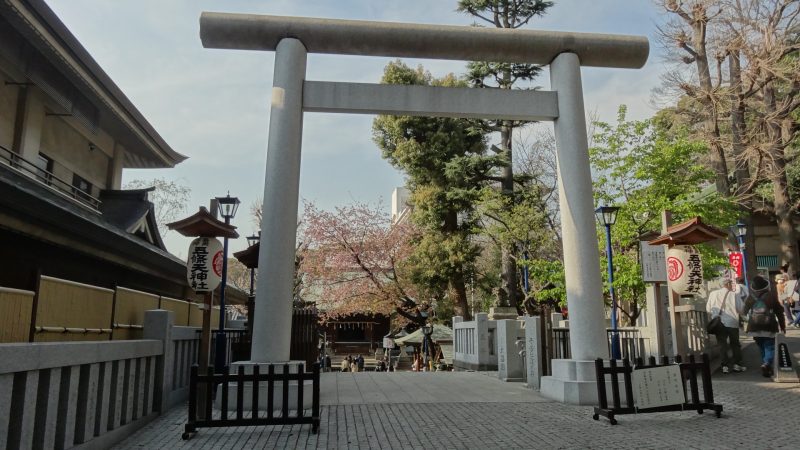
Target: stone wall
(475, 343)
(92, 394)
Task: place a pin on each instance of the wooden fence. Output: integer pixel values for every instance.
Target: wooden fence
(62, 311)
(15, 314)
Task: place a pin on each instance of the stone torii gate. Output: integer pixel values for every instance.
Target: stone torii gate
(292, 38)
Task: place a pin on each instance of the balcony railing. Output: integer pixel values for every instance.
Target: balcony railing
(26, 167)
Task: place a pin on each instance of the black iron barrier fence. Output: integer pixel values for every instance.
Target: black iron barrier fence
(253, 416)
(689, 374)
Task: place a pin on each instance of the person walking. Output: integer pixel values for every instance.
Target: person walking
(345, 365)
(793, 287)
(725, 304)
(766, 318)
(784, 296)
(360, 363)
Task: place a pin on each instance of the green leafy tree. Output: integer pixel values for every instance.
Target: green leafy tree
(446, 164)
(645, 170)
(507, 15)
(520, 222)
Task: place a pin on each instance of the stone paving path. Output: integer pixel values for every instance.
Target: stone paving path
(470, 410)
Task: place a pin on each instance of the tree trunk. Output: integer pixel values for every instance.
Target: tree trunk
(508, 273)
(455, 281)
(705, 97)
(743, 193)
(458, 295)
(780, 187)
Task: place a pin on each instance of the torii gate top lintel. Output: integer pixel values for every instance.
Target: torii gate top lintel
(407, 40)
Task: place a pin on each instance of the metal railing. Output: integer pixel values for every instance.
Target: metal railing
(21, 164)
(560, 347)
(632, 344)
(232, 339)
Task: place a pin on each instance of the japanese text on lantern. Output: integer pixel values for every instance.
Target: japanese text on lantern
(685, 269)
(203, 265)
(199, 271)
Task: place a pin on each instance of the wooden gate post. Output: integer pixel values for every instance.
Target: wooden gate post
(205, 345)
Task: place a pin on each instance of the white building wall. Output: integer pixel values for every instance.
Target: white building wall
(399, 203)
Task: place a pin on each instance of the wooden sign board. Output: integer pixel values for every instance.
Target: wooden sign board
(658, 386)
(653, 260)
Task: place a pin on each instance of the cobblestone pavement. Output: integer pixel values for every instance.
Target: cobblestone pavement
(758, 414)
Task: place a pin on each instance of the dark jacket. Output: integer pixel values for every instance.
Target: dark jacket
(773, 306)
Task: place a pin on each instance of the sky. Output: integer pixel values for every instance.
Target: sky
(213, 105)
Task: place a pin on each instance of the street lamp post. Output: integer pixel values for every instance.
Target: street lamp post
(525, 273)
(251, 299)
(741, 232)
(427, 331)
(227, 209)
(251, 241)
(607, 216)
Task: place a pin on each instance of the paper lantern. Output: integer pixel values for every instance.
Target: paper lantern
(684, 269)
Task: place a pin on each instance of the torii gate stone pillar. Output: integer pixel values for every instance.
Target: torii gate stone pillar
(573, 380)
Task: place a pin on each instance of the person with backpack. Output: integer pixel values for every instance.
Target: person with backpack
(766, 318)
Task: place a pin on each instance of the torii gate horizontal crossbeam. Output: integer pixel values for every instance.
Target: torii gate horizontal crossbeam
(365, 98)
(407, 40)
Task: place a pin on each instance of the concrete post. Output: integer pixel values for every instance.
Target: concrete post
(533, 351)
(158, 325)
(510, 336)
(581, 258)
(273, 311)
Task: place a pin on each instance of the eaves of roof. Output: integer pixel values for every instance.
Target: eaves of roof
(45, 31)
(37, 204)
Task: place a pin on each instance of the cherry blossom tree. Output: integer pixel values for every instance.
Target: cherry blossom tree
(353, 262)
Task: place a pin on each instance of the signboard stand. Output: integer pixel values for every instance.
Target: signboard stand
(785, 364)
(667, 387)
